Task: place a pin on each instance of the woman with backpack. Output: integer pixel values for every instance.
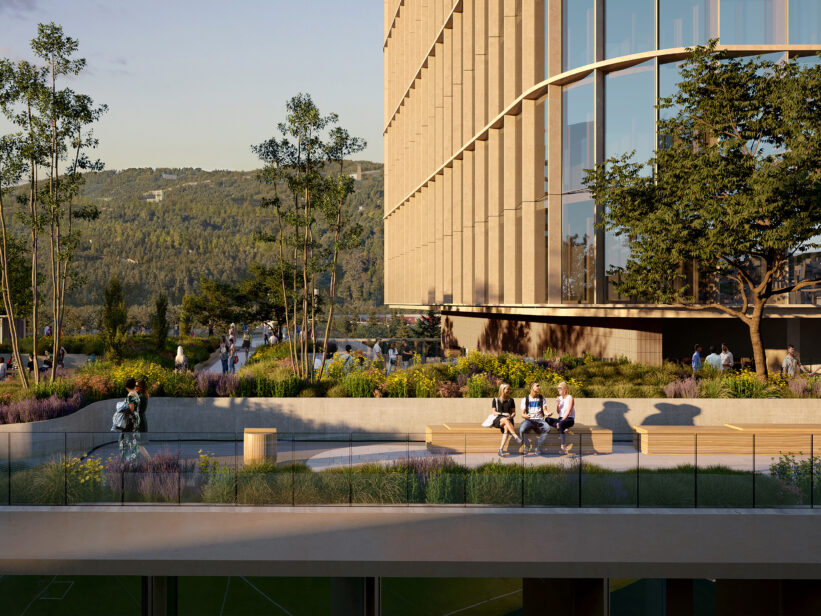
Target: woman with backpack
(129, 439)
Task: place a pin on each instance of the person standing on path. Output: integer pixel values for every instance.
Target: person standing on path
(727, 360)
(232, 358)
(695, 362)
(129, 438)
(393, 355)
(713, 359)
(791, 366)
(246, 343)
(180, 361)
(224, 355)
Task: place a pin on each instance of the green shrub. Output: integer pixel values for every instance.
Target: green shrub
(360, 384)
(714, 388)
(337, 391)
(478, 386)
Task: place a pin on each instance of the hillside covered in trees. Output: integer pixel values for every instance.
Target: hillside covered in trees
(204, 226)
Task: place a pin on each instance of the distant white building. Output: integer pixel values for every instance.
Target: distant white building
(169, 176)
(154, 195)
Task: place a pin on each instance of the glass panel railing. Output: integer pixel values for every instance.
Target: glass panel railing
(666, 469)
(379, 469)
(606, 481)
(783, 468)
(724, 469)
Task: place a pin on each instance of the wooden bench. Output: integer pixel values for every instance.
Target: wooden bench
(473, 438)
(776, 439)
(259, 445)
(686, 440)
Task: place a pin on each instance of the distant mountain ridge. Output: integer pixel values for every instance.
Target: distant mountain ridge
(162, 229)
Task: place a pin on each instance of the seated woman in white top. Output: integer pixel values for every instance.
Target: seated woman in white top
(566, 408)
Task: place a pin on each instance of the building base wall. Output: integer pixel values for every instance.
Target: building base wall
(637, 339)
(649, 341)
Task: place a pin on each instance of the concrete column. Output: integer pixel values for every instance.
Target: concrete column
(480, 65)
(439, 253)
(566, 597)
(458, 73)
(447, 85)
(439, 85)
(447, 232)
(495, 209)
(480, 220)
(512, 234)
(468, 106)
(512, 77)
(495, 54)
(765, 597)
(456, 217)
(554, 201)
(533, 41)
(678, 597)
(533, 212)
(158, 596)
(356, 596)
(468, 233)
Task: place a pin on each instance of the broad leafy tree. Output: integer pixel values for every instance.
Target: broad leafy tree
(735, 193)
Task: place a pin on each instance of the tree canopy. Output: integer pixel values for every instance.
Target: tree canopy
(734, 194)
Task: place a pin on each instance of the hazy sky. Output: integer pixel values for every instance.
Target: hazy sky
(193, 83)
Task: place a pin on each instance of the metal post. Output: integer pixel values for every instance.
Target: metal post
(638, 476)
(65, 468)
(350, 468)
(812, 472)
(695, 471)
(236, 467)
(9, 467)
(753, 470)
(580, 469)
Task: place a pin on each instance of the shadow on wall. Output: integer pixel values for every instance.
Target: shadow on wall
(449, 339)
(569, 339)
(672, 415)
(506, 335)
(613, 415)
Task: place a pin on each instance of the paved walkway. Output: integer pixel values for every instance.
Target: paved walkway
(215, 365)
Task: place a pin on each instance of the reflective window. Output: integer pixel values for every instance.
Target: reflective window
(808, 60)
(753, 22)
(805, 22)
(578, 249)
(683, 23)
(629, 124)
(629, 27)
(577, 132)
(578, 33)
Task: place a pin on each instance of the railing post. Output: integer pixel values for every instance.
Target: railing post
(65, 468)
(638, 474)
(695, 471)
(753, 470)
(580, 469)
(350, 469)
(812, 471)
(236, 466)
(9, 467)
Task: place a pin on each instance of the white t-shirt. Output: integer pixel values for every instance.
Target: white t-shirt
(714, 360)
(392, 354)
(377, 350)
(566, 407)
(727, 359)
(533, 406)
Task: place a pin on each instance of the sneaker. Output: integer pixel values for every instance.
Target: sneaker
(501, 453)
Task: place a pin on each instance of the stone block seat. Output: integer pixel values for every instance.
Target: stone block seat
(259, 445)
(687, 440)
(473, 438)
(776, 438)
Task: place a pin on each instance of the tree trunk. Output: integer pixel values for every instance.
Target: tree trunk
(759, 355)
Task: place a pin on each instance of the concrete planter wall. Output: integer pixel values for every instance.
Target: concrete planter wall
(222, 417)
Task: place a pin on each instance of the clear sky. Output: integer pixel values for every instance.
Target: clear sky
(193, 83)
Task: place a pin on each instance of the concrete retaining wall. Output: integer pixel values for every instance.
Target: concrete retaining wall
(226, 416)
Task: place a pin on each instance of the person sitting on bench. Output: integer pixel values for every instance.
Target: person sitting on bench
(566, 408)
(533, 407)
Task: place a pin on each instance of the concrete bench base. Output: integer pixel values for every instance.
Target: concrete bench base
(473, 438)
(729, 439)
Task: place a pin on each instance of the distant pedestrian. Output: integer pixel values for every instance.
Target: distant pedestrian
(129, 439)
(727, 360)
(377, 350)
(246, 343)
(393, 354)
(224, 355)
(713, 359)
(180, 361)
(61, 357)
(232, 358)
(696, 360)
(791, 366)
(265, 334)
(2, 369)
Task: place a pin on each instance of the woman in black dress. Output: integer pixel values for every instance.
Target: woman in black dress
(504, 407)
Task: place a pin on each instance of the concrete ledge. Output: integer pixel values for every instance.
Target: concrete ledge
(410, 541)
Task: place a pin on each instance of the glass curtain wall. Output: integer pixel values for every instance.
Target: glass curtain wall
(629, 124)
(629, 27)
(683, 23)
(805, 22)
(578, 236)
(578, 33)
(753, 22)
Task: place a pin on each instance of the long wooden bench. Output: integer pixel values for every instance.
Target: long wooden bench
(776, 439)
(730, 439)
(473, 438)
(685, 440)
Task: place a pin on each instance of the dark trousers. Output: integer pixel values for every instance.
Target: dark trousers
(561, 425)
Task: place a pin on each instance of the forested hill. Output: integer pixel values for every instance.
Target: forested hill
(204, 226)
